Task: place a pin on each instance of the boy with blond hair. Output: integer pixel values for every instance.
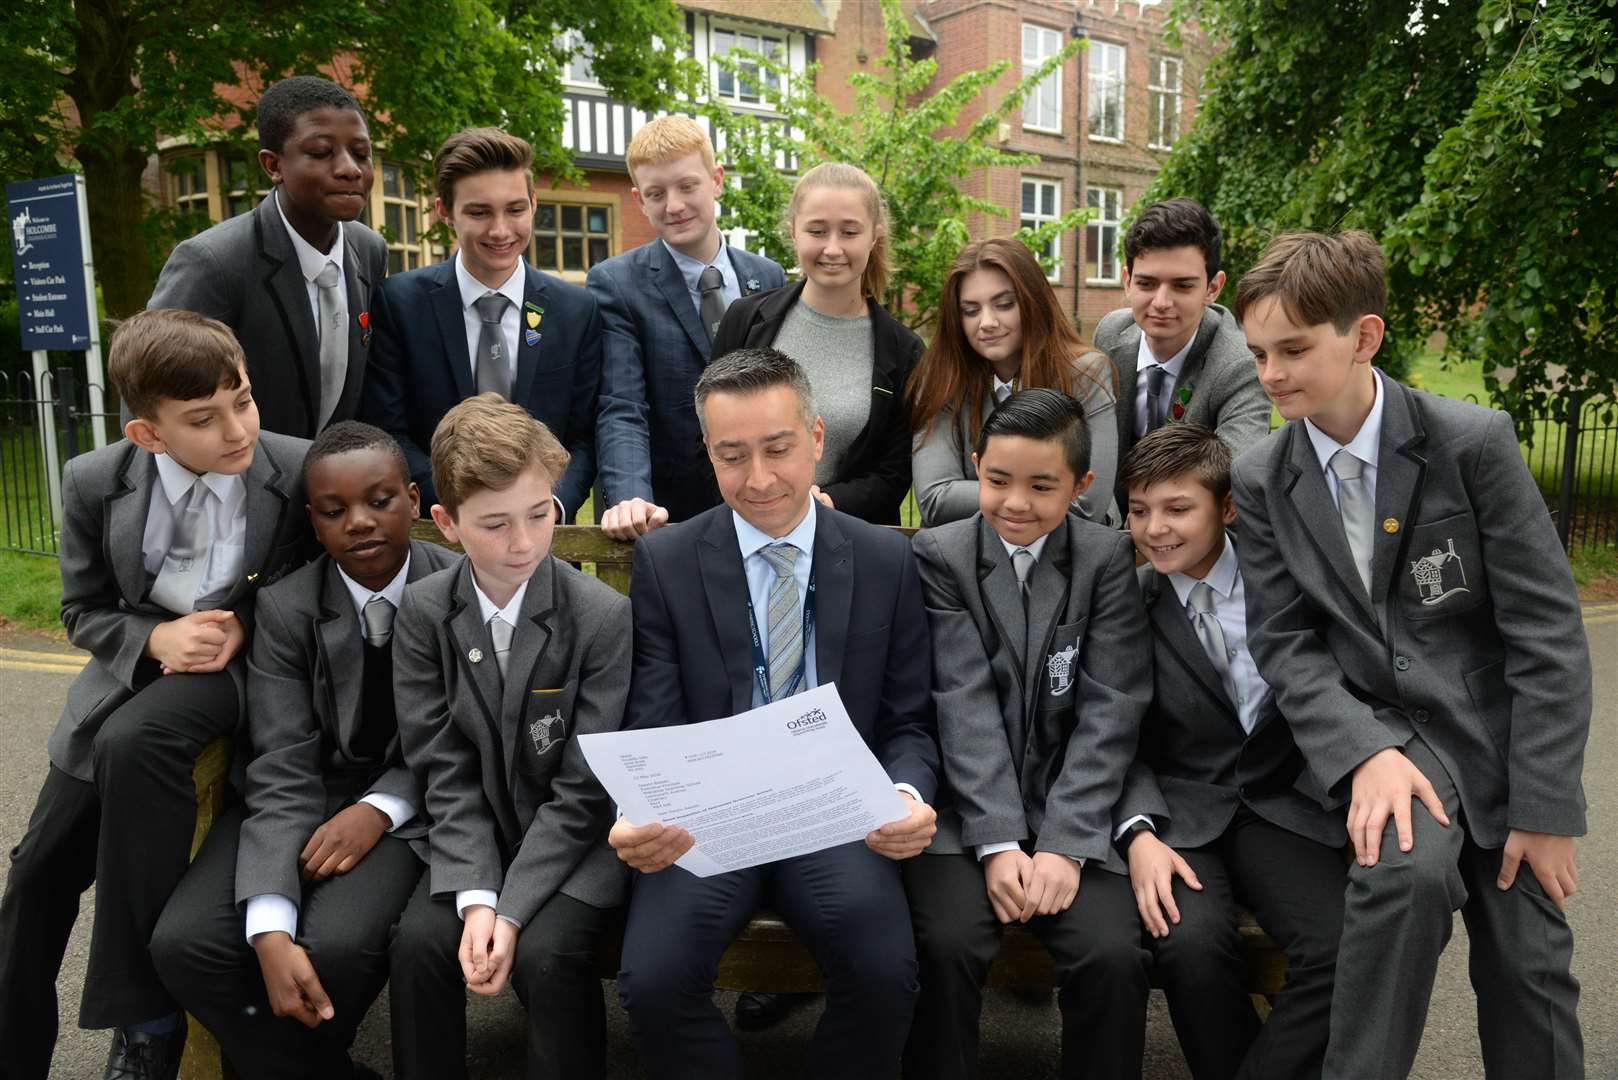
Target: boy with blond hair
(661, 304)
(499, 663)
(1409, 602)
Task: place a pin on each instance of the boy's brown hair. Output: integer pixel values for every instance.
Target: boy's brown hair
(486, 443)
(477, 150)
(667, 138)
(1318, 278)
(166, 354)
(1176, 450)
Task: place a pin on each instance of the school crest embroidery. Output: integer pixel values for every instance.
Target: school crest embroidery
(546, 731)
(1059, 669)
(1429, 571)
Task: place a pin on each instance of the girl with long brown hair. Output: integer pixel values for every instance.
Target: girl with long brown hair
(1000, 329)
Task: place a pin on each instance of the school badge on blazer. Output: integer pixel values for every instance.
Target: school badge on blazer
(1059, 669)
(1441, 573)
(1430, 574)
(546, 732)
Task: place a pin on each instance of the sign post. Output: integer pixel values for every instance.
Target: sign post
(49, 223)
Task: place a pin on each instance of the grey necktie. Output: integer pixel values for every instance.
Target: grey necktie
(1154, 397)
(711, 299)
(179, 580)
(500, 633)
(1212, 636)
(333, 341)
(785, 620)
(1354, 504)
(378, 621)
(494, 367)
(1022, 561)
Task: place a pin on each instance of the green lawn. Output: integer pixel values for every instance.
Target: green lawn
(30, 591)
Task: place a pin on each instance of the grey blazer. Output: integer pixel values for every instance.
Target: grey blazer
(514, 806)
(941, 456)
(1219, 371)
(245, 273)
(1036, 741)
(304, 710)
(105, 496)
(1484, 653)
(1196, 764)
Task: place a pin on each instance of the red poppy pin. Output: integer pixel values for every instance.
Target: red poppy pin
(1182, 398)
(365, 320)
(365, 329)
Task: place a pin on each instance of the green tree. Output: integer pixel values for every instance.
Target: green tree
(135, 71)
(898, 133)
(1477, 139)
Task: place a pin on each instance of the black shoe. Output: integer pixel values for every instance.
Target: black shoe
(755, 1012)
(137, 1055)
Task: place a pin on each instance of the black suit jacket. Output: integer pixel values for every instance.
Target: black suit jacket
(420, 369)
(876, 473)
(693, 655)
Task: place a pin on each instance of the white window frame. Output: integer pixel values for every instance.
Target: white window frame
(768, 96)
(1106, 227)
(1163, 97)
(578, 70)
(1108, 67)
(1039, 216)
(1039, 44)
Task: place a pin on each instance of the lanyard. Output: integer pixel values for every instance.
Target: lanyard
(761, 663)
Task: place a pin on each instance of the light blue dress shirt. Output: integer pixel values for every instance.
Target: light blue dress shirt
(691, 269)
(761, 575)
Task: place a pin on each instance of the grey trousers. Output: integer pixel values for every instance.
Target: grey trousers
(1398, 916)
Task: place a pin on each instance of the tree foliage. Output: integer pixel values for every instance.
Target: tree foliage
(898, 133)
(1477, 139)
(136, 71)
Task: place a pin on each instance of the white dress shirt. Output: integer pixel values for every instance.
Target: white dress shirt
(1003, 390)
(1365, 445)
(691, 269)
(1230, 608)
(1145, 360)
(473, 290)
(229, 524)
(312, 262)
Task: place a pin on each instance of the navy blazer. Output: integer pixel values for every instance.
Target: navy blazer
(654, 350)
(693, 656)
(420, 368)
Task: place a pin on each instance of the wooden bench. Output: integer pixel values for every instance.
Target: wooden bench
(767, 957)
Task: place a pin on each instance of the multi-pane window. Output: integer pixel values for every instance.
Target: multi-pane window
(243, 184)
(188, 184)
(1163, 92)
(571, 237)
(1101, 254)
(580, 68)
(749, 84)
(1106, 91)
(1041, 203)
(1042, 111)
(401, 219)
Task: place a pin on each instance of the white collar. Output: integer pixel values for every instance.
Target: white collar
(1365, 443)
(310, 261)
(1221, 577)
(751, 539)
(691, 266)
(1145, 358)
(1033, 549)
(509, 613)
(472, 289)
(392, 592)
(994, 389)
(177, 480)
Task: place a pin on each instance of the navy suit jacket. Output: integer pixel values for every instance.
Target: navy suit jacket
(420, 368)
(693, 655)
(654, 350)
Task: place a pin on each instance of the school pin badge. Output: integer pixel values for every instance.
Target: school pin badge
(475, 655)
(1182, 398)
(546, 732)
(1059, 668)
(533, 318)
(1390, 525)
(530, 338)
(1429, 571)
(365, 329)
(752, 284)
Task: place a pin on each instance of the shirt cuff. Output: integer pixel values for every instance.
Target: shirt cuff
(395, 809)
(271, 912)
(909, 789)
(1118, 833)
(509, 919)
(472, 897)
(985, 850)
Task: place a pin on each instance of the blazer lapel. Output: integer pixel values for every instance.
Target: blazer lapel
(997, 584)
(528, 646)
(1048, 588)
(535, 293)
(1126, 361)
(1322, 524)
(284, 280)
(341, 657)
(266, 502)
(719, 560)
(671, 283)
(447, 311)
(357, 281)
(1194, 360)
(1170, 619)
(1399, 473)
(125, 517)
(469, 637)
(834, 595)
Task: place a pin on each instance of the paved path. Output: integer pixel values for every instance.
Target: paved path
(1020, 1039)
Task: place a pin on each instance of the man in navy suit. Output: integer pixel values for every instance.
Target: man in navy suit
(848, 601)
(486, 320)
(660, 304)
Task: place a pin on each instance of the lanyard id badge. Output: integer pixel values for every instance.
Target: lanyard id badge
(761, 663)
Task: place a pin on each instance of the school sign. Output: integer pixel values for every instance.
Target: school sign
(50, 261)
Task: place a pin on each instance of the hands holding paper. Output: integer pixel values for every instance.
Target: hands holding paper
(648, 848)
(908, 836)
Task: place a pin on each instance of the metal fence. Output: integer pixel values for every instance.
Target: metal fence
(1572, 451)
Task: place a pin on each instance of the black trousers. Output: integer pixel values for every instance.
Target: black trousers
(553, 974)
(846, 903)
(344, 924)
(129, 832)
(1101, 971)
(1294, 888)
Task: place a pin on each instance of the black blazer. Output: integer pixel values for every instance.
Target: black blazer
(876, 474)
(693, 660)
(420, 369)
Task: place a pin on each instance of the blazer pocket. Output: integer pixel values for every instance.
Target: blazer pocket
(547, 721)
(1059, 670)
(1486, 686)
(1442, 573)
